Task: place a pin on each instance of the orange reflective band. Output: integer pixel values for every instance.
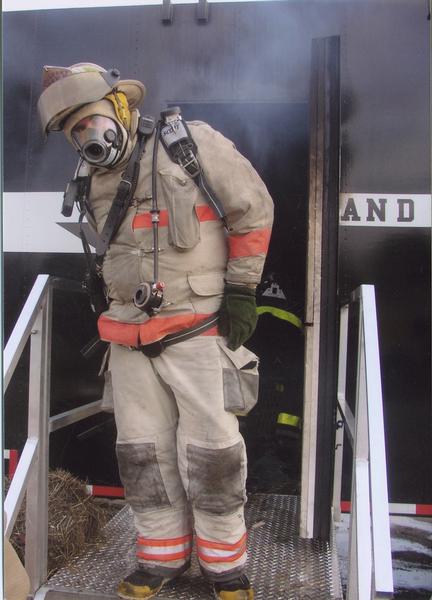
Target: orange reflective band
(158, 327)
(164, 557)
(221, 546)
(218, 559)
(205, 213)
(144, 220)
(126, 334)
(211, 331)
(172, 542)
(135, 334)
(249, 244)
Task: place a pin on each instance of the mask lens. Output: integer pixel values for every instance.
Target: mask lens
(98, 140)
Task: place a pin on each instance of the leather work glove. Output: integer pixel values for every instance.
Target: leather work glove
(237, 315)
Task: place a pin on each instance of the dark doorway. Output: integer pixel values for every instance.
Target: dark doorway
(274, 137)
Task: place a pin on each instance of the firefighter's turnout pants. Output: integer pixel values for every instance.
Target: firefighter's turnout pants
(181, 457)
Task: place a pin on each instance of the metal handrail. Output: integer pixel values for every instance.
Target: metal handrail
(31, 475)
(370, 573)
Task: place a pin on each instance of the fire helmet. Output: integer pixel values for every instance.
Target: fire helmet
(66, 89)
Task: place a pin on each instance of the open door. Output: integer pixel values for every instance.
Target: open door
(321, 292)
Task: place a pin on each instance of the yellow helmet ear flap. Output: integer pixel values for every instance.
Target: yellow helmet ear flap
(121, 107)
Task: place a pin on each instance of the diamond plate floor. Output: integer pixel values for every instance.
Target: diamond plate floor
(281, 565)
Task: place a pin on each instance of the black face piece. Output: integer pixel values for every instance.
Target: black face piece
(99, 140)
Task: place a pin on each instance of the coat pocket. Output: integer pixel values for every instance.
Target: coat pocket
(180, 195)
(240, 379)
(207, 284)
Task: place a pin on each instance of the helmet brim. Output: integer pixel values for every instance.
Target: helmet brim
(68, 94)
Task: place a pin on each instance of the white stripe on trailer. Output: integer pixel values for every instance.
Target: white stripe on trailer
(6, 454)
(22, 5)
(398, 508)
(31, 223)
(402, 509)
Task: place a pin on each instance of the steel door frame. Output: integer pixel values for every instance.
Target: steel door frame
(321, 315)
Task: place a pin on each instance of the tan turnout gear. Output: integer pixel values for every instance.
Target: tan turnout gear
(196, 254)
(181, 457)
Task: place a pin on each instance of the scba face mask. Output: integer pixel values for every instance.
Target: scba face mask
(99, 140)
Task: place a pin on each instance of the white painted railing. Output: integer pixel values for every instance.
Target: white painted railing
(370, 565)
(31, 476)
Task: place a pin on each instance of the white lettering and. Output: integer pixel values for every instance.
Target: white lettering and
(385, 210)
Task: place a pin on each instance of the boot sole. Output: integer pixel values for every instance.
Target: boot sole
(218, 597)
(151, 595)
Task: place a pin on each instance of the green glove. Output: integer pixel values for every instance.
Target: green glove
(237, 315)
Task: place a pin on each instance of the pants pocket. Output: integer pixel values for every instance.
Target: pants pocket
(141, 476)
(240, 379)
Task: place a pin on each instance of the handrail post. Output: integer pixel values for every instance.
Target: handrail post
(370, 567)
(339, 441)
(382, 576)
(36, 550)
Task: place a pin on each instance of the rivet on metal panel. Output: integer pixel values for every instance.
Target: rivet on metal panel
(34, 331)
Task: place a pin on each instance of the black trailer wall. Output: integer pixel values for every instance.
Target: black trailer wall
(250, 53)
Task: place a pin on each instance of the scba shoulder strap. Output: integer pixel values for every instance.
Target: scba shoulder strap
(126, 188)
(177, 140)
(77, 192)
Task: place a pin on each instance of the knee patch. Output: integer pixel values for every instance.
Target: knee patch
(216, 478)
(141, 476)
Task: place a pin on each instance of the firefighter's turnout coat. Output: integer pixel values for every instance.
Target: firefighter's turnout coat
(179, 447)
(196, 253)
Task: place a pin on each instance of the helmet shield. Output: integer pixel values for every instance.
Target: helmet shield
(98, 139)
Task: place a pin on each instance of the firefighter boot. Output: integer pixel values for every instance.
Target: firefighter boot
(234, 589)
(140, 585)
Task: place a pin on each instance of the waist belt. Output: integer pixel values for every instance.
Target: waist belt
(156, 348)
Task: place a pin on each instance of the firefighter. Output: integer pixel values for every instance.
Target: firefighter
(180, 264)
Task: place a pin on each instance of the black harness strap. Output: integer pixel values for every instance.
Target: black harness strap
(126, 188)
(93, 281)
(156, 348)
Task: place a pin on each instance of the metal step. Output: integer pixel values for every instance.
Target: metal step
(281, 565)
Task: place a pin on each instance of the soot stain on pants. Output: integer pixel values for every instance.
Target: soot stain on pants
(216, 478)
(141, 476)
